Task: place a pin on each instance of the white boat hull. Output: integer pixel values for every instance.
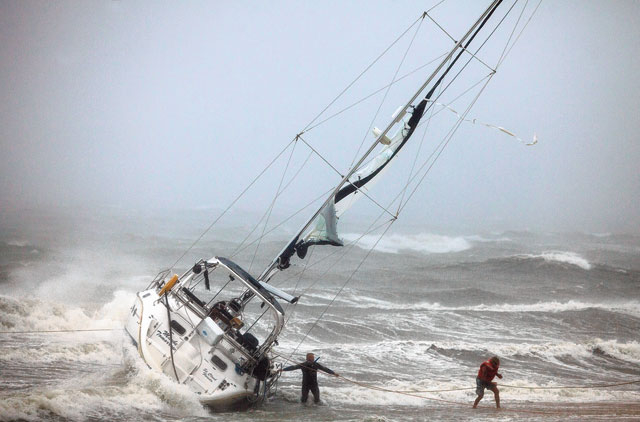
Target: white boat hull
(212, 371)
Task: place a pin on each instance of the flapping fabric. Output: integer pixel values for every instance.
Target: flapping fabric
(325, 231)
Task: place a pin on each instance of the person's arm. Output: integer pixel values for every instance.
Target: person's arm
(325, 369)
(292, 367)
(483, 372)
(499, 375)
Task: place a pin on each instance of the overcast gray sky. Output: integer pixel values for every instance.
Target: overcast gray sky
(180, 104)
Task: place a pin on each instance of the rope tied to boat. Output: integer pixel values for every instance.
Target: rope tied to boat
(416, 393)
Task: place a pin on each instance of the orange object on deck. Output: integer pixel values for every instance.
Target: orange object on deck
(169, 285)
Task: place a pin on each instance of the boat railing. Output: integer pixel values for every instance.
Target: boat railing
(201, 312)
(159, 278)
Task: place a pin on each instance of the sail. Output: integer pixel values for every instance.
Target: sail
(321, 228)
(364, 179)
(325, 230)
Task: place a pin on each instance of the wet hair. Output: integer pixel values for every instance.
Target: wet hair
(310, 356)
(495, 360)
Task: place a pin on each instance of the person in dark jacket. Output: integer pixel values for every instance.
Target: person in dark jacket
(488, 370)
(310, 369)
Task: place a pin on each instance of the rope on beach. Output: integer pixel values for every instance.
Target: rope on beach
(415, 393)
(566, 387)
(60, 331)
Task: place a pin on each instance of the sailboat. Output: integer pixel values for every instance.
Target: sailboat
(208, 343)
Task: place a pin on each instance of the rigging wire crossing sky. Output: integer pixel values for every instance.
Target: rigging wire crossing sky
(179, 105)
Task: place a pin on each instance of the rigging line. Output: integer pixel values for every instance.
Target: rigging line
(440, 145)
(455, 99)
(321, 156)
(401, 207)
(173, 363)
(442, 29)
(342, 255)
(443, 144)
(233, 203)
(295, 289)
(343, 252)
(426, 122)
(475, 56)
(324, 194)
(362, 73)
(406, 75)
(384, 98)
(347, 249)
(448, 139)
(476, 52)
(490, 126)
(390, 223)
(513, 31)
(235, 251)
(415, 159)
(433, 7)
(496, 28)
(457, 125)
(273, 203)
(348, 246)
(519, 34)
(342, 175)
(61, 331)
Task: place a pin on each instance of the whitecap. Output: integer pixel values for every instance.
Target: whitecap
(421, 242)
(562, 257)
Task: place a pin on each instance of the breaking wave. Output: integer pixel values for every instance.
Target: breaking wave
(422, 242)
(363, 302)
(39, 315)
(562, 257)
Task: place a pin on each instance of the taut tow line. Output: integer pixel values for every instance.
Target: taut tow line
(414, 393)
(61, 331)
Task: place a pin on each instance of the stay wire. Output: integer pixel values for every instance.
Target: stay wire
(535, 10)
(449, 136)
(384, 97)
(304, 163)
(415, 159)
(513, 31)
(344, 251)
(370, 229)
(232, 203)
(273, 203)
(390, 223)
(446, 142)
(307, 127)
(317, 198)
(406, 75)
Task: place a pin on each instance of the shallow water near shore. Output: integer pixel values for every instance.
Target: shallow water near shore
(421, 314)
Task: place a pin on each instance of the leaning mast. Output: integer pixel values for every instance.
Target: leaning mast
(279, 263)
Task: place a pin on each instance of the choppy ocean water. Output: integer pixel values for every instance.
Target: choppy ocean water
(421, 314)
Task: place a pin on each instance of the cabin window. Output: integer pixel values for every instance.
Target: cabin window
(219, 363)
(177, 327)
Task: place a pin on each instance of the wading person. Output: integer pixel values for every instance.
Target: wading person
(310, 369)
(488, 370)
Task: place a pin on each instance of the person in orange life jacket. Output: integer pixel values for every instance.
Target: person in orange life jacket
(310, 369)
(488, 370)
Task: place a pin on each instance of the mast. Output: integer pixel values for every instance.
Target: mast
(419, 110)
